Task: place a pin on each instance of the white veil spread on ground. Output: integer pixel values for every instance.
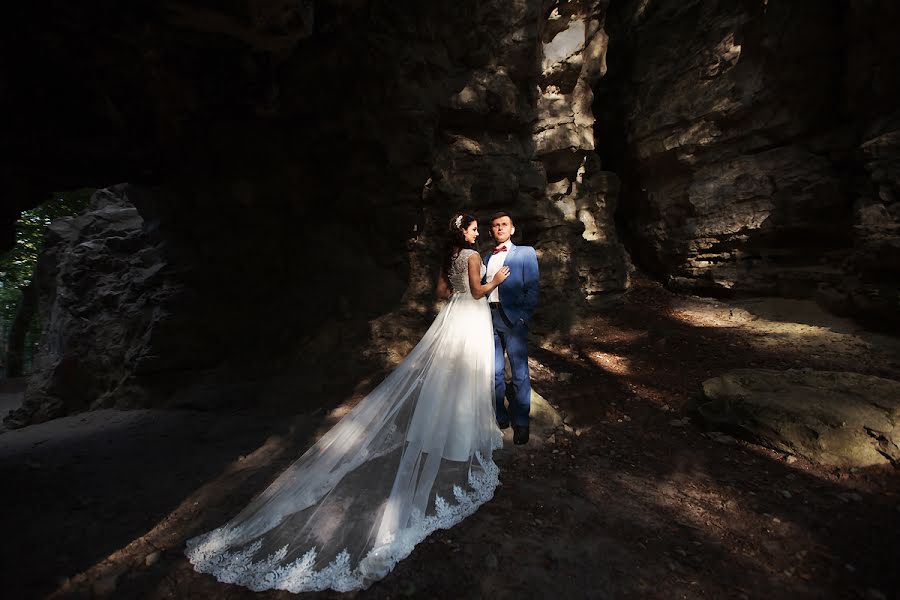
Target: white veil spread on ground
(413, 456)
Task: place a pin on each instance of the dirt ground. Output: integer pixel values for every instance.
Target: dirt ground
(631, 499)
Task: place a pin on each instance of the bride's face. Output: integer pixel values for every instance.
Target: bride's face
(470, 233)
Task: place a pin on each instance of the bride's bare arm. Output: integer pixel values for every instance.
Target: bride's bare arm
(442, 290)
(480, 290)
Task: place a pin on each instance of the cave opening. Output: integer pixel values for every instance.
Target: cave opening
(701, 181)
(21, 321)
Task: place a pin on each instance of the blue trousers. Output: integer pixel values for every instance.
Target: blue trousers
(513, 340)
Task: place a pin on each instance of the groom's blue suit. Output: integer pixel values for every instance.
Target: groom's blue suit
(518, 299)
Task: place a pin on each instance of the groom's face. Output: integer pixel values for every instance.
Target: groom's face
(502, 229)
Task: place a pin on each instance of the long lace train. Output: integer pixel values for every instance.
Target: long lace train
(412, 457)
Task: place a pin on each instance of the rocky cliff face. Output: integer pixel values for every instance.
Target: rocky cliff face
(519, 136)
(293, 166)
(757, 143)
(101, 290)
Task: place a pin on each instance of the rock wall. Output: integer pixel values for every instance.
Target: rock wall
(101, 293)
(519, 136)
(757, 143)
(293, 166)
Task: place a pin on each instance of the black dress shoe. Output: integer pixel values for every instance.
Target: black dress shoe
(503, 424)
(520, 435)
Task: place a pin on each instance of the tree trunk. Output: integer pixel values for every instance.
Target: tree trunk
(18, 331)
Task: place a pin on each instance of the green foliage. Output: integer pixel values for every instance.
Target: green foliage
(17, 265)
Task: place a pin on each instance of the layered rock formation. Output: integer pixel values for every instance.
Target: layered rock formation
(519, 136)
(757, 146)
(294, 166)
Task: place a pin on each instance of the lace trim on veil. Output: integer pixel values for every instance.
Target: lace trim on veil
(381, 479)
(206, 552)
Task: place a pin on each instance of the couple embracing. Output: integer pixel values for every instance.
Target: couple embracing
(414, 455)
(510, 275)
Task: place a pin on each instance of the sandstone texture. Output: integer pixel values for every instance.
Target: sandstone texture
(829, 417)
(757, 144)
(291, 168)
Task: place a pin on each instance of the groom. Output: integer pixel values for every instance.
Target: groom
(512, 305)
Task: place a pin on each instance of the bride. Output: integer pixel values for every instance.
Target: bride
(413, 456)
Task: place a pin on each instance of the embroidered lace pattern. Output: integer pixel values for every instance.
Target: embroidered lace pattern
(411, 457)
(207, 552)
(459, 271)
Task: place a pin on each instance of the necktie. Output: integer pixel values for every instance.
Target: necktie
(499, 249)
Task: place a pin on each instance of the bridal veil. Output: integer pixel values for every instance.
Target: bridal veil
(413, 456)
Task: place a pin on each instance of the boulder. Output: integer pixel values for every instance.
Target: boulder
(100, 287)
(829, 417)
(544, 418)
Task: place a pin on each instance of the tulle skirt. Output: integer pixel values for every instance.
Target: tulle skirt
(413, 456)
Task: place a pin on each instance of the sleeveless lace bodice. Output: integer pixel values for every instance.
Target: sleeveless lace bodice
(459, 271)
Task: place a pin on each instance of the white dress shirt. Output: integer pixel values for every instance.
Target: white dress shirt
(494, 263)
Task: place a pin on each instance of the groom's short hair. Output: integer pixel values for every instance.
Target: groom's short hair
(501, 213)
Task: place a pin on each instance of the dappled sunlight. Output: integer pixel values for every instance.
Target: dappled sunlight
(699, 508)
(337, 414)
(333, 416)
(560, 342)
(617, 387)
(706, 508)
(269, 450)
(611, 363)
(802, 319)
(713, 319)
(776, 335)
(690, 515)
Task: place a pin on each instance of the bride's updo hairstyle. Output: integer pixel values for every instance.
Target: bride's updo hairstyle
(456, 241)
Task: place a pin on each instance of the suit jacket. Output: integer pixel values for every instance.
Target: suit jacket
(519, 292)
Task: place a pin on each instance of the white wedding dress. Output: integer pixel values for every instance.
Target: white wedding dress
(413, 456)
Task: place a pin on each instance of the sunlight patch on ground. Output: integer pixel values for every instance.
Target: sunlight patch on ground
(778, 324)
(339, 413)
(612, 363)
(559, 343)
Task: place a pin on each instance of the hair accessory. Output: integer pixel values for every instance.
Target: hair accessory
(457, 222)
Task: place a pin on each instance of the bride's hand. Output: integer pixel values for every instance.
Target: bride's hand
(501, 275)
